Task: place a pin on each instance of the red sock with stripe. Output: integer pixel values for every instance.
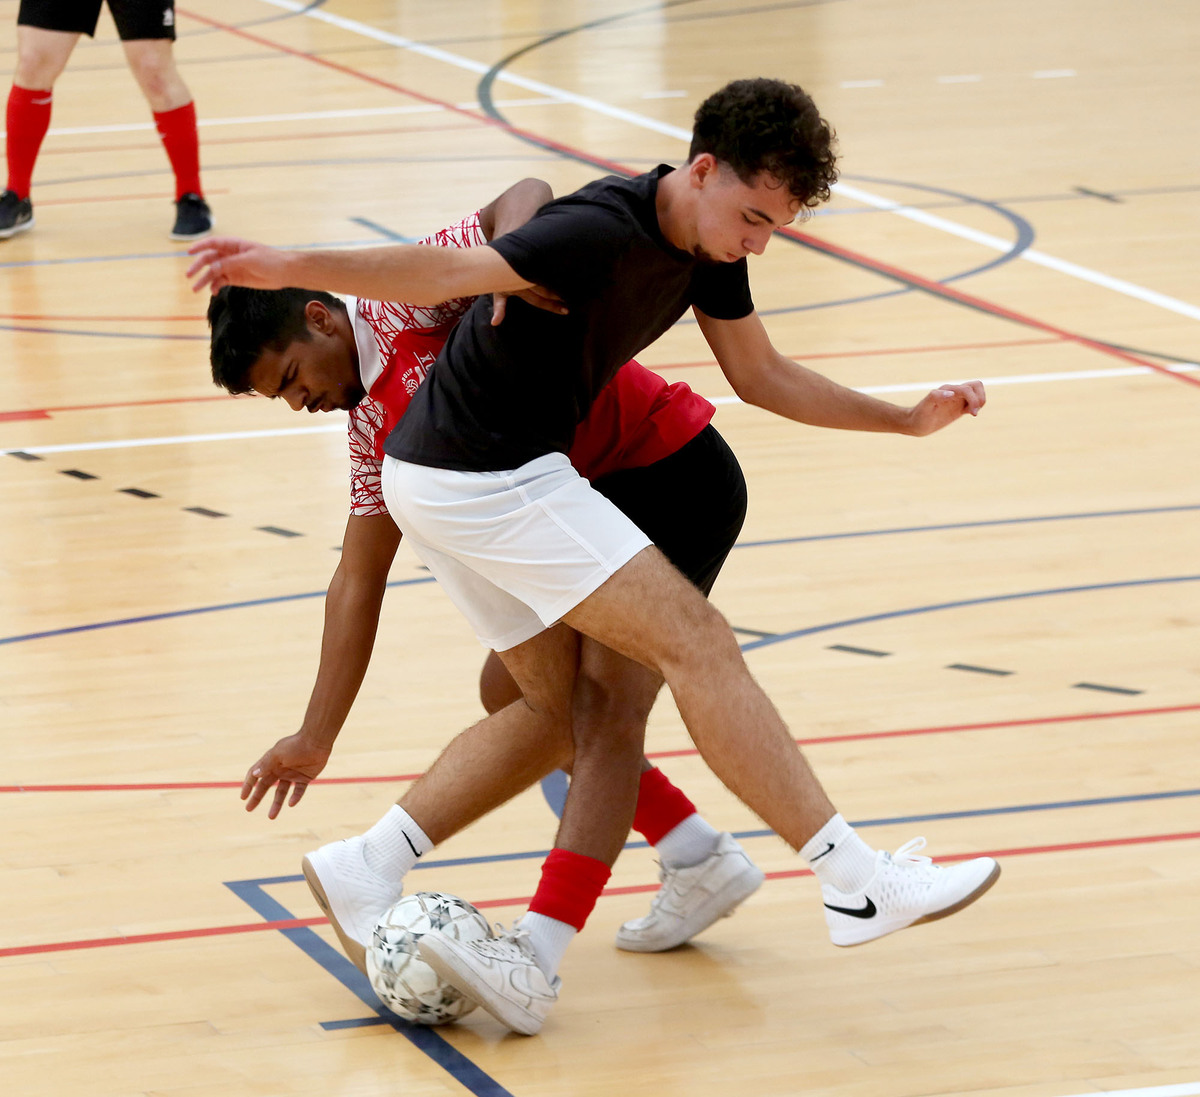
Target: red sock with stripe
(177, 128)
(27, 120)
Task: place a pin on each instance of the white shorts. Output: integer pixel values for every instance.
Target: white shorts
(513, 550)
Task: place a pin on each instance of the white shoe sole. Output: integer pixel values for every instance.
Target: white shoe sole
(356, 953)
(863, 937)
(18, 229)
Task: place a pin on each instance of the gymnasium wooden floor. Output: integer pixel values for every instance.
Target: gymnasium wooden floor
(990, 637)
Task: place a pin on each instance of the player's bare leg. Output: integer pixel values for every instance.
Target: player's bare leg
(648, 611)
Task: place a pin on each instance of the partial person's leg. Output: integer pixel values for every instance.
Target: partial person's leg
(705, 874)
(152, 62)
(41, 57)
(743, 739)
(355, 880)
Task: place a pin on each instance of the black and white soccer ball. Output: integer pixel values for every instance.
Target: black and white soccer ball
(407, 985)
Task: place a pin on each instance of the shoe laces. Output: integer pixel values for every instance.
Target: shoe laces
(907, 854)
(505, 939)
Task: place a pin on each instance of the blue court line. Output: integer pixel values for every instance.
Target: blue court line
(972, 525)
(167, 615)
(425, 1039)
(753, 645)
(749, 646)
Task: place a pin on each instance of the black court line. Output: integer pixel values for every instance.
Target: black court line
(79, 474)
(204, 512)
(857, 651)
(279, 531)
(139, 493)
(1107, 689)
(979, 670)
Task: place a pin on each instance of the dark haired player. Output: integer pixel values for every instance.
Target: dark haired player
(647, 445)
(476, 475)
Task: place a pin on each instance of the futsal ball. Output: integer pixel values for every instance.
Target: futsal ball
(407, 985)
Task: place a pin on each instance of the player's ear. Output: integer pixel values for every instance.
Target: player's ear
(701, 168)
(319, 318)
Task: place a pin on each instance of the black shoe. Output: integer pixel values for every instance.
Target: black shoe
(16, 214)
(192, 218)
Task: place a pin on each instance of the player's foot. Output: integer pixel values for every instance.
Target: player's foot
(351, 895)
(193, 218)
(500, 973)
(907, 889)
(16, 214)
(692, 898)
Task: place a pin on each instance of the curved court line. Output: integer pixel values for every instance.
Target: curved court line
(754, 645)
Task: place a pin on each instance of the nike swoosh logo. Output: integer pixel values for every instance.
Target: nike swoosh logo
(855, 912)
(827, 849)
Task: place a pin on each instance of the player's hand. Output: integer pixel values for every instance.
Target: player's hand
(537, 296)
(946, 404)
(289, 765)
(227, 261)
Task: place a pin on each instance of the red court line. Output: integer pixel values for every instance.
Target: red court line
(853, 737)
(863, 261)
(524, 900)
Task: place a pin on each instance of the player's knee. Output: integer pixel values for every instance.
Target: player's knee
(605, 713)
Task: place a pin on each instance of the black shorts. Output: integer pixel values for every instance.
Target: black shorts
(135, 19)
(691, 504)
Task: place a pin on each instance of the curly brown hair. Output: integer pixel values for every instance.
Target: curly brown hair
(768, 125)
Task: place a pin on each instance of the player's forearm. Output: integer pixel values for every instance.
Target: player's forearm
(796, 392)
(351, 621)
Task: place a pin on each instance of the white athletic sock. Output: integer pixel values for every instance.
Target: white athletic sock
(839, 857)
(688, 843)
(393, 845)
(549, 938)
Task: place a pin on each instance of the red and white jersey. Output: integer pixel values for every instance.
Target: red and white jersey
(637, 419)
(397, 343)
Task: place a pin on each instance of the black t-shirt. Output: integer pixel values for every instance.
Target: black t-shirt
(501, 396)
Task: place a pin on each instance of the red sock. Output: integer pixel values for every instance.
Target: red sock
(27, 120)
(571, 883)
(661, 807)
(177, 128)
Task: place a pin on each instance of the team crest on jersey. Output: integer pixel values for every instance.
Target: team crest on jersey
(169, 17)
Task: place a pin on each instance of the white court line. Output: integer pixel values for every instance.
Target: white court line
(1184, 1089)
(303, 116)
(329, 428)
(1062, 266)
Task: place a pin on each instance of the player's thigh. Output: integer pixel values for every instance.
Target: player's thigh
(544, 668)
(613, 690)
(650, 612)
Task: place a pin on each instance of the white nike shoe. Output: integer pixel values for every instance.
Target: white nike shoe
(692, 898)
(351, 895)
(501, 973)
(907, 889)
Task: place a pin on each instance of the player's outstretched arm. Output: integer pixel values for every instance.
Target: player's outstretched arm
(418, 274)
(760, 375)
(351, 618)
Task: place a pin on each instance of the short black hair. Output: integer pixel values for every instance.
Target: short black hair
(764, 125)
(245, 322)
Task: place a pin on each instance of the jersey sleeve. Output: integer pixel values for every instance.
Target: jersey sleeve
(367, 421)
(722, 290)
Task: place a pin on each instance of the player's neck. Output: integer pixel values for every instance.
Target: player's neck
(674, 205)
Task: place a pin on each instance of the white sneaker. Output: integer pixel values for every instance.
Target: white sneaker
(692, 898)
(501, 973)
(907, 889)
(351, 895)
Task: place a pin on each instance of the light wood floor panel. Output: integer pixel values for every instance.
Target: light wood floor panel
(1079, 973)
